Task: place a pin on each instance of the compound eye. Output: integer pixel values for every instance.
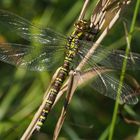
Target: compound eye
(82, 25)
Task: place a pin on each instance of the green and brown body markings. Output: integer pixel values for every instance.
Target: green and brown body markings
(80, 32)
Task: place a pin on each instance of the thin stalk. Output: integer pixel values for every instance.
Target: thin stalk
(129, 38)
(84, 9)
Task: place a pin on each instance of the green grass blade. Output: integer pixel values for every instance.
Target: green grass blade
(114, 118)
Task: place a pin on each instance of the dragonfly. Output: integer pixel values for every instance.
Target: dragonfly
(49, 46)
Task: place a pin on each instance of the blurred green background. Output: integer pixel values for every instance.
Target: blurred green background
(21, 92)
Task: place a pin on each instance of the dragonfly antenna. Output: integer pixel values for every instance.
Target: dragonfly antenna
(83, 11)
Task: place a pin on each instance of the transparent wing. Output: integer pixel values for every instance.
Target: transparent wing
(114, 59)
(28, 31)
(106, 82)
(109, 58)
(32, 58)
(47, 49)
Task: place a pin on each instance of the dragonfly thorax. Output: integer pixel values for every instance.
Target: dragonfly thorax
(84, 27)
(81, 32)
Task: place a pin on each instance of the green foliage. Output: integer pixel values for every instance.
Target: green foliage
(21, 92)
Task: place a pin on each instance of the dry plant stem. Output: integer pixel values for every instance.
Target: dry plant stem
(134, 83)
(27, 134)
(53, 78)
(84, 9)
(127, 120)
(32, 125)
(72, 85)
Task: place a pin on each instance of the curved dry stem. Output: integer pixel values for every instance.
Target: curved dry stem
(84, 9)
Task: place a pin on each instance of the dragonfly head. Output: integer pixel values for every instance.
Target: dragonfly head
(82, 25)
(88, 33)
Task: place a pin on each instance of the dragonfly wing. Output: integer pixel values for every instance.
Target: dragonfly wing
(32, 58)
(30, 32)
(114, 59)
(106, 82)
(109, 58)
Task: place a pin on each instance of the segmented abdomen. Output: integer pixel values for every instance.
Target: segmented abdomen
(60, 78)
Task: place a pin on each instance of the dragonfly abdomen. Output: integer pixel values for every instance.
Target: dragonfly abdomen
(57, 84)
